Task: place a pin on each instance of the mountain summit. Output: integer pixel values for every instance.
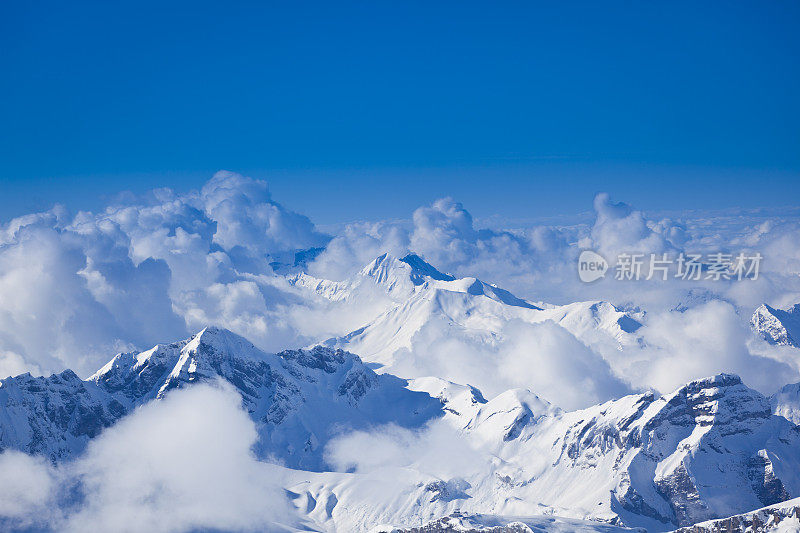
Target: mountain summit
(778, 326)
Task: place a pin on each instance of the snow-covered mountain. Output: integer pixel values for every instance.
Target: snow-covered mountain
(424, 306)
(412, 282)
(786, 402)
(783, 517)
(460, 523)
(445, 452)
(308, 395)
(704, 451)
(713, 448)
(708, 450)
(54, 416)
(778, 326)
(399, 278)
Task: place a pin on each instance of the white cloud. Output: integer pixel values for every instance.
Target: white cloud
(177, 465)
(551, 362)
(247, 217)
(358, 244)
(13, 364)
(437, 449)
(619, 228)
(28, 488)
(544, 358)
(702, 341)
(47, 313)
(75, 289)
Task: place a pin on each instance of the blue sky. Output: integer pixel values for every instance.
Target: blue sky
(368, 110)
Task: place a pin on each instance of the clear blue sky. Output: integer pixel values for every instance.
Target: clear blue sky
(370, 109)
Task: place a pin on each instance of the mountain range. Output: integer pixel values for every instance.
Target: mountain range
(711, 449)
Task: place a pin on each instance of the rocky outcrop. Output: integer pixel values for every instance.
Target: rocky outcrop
(778, 326)
(783, 518)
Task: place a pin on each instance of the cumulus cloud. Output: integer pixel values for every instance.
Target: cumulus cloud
(48, 315)
(550, 361)
(437, 449)
(13, 364)
(358, 244)
(445, 235)
(539, 263)
(619, 228)
(248, 218)
(28, 489)
(702, 341)
(181, 464)
(77, 289)
(544, 358)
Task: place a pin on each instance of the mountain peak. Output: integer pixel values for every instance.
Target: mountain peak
(422, 268)
(721, 399)
(712, 388)
(387, 268)
(717, 380)
(778, 326)
(223, 340)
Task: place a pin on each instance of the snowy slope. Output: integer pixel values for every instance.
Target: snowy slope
(425, 305)
(786, 402)
(701, 452)
(411, 282)
(779, 518)
(460, 523)
(708, 449)
(778, 326)
(399, 278)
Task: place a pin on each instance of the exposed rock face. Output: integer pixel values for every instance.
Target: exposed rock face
(705, 451)
(710, 449)
(53, 416)
(480, 523)
(767, 487)
(778, 326)
(713, 438)
(783, 517)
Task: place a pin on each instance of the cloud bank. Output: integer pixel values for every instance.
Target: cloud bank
(77, 288)
(181, 464)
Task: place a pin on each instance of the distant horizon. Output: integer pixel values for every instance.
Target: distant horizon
(330, 205)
